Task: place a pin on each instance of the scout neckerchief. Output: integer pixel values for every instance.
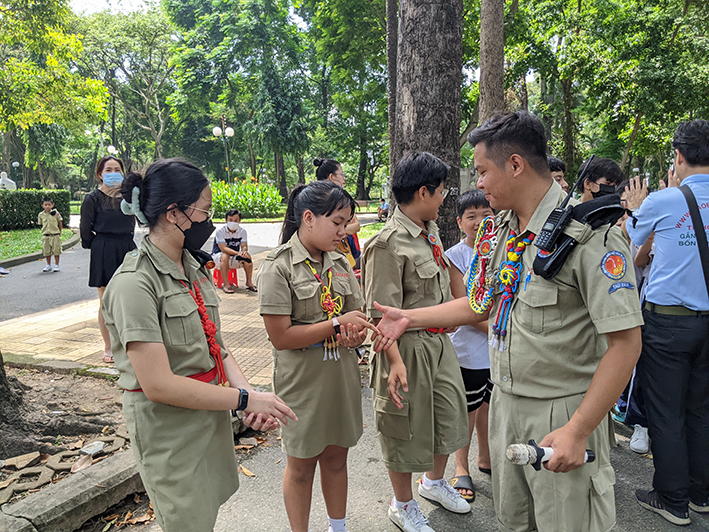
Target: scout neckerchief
(210, 330)
(437, 253)
(508, 276)
(330, 306)
(485, 242)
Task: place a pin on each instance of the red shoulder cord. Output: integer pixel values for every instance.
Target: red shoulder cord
(210, 330)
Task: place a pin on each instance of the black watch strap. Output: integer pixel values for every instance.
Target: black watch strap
(243, 400)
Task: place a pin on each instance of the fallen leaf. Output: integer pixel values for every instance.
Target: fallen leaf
(43, 458)
(99, 485)
(279, 460)
(104, 398)
(246, 472)
(112, 517)
(266, 444)
(82, 463)
(247, 447)
(142, 519)
(85, 410)
(260, 439)
(136, 498)
(104, 429)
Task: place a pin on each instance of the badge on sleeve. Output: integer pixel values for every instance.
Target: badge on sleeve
(614, 265)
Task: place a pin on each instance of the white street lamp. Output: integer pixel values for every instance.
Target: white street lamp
(217, 131)
(229, 132)
(112, 150)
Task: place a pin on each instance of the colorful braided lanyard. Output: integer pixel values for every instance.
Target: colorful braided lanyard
(485, 242)
(332, 306)
(437, 253)
(508, 276)
(210, 330)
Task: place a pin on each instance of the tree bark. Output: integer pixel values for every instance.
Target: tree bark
(492, 57)
(300, 166)
(361, 193)
(428, 93)
(631, 140)
(281, 175)
(392, 14)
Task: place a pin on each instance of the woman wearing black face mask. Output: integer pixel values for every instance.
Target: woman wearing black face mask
(180, 381)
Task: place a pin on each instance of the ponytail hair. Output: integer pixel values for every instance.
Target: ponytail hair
(149, 193)
(322, 198)
(325, 167)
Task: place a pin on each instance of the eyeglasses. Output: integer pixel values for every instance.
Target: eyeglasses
(209, 213)
(445, 192)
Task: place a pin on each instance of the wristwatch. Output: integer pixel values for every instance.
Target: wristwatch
(336, 325)
(243, 400)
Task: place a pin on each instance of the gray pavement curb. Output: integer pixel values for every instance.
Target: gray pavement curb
(66, 505)
(15, 261)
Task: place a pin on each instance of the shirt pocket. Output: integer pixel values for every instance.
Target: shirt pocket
(424, 280)
(538, 310)
(182, 322)
(306, 300)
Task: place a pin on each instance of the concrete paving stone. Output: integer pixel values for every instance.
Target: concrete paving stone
(104, 371)
(15, 524)
(66, 505)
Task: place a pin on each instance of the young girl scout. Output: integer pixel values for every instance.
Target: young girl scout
(310, 299)
(180, 381)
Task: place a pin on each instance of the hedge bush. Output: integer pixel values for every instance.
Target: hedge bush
(19, 208)
(253, 200)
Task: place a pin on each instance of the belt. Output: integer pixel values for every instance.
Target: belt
(674, 310)
(52, 234)
(435, 330)
(206, 376)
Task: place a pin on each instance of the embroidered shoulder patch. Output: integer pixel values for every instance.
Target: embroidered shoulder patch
(614, 265)
(618, 286)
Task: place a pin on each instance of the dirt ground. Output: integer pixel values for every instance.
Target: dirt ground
(60, 394)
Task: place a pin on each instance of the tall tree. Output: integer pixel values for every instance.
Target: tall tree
(428, 92)
(492, 58)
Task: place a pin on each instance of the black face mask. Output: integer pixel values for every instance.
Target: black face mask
(603, 190)
(197, 234)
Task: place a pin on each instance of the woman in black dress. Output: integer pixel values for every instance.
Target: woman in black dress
(107, 232)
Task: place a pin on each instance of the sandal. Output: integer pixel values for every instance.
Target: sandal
(252, 289)
(464, 482)
(108, 357)
(485, 470)
(228, 289)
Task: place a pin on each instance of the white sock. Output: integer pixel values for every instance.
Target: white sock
(396, 504)
(336, 525)
(430, 483)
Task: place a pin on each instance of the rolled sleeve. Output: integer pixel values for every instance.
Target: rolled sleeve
(606, 282)
(383, 279)
(274, 292)
(131, 306)
(643, 222)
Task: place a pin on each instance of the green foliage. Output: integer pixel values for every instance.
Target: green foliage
(23, 241)
(369, 230)
(19, 208)
(252, 199)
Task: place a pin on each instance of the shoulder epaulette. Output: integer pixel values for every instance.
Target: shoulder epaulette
(280, 249)
(131, 261)
(383, 236)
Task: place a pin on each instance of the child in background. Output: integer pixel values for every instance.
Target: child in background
(471, 344)
(230, 248)
(310, 301)
(51, 222)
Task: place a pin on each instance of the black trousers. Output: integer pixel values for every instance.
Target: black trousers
(674, 374)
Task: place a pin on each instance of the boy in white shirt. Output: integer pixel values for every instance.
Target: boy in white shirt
(230, 248)
(471, 344)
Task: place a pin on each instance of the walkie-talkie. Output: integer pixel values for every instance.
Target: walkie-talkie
(558, 219)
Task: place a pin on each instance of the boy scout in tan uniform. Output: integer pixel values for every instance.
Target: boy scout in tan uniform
(569, 345)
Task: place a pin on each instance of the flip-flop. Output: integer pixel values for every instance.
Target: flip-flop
(228, 290)
(108, 358)
(252, 289)
(485, 470)
(464, 482)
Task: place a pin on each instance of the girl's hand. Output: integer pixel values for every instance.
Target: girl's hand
(270, 406)
(397, 379)
(260, 422)
(358, 319)
(350, 337)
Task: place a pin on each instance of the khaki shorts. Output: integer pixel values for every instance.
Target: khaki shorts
(581, 500)
(434, 419)
(51, 245)
(234, 264)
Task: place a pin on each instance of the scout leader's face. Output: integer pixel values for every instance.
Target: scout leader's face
(497, 183)
(326, 232)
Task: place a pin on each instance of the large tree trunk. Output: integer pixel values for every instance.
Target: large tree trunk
(361, 193)
(492, 58)
(300, 166)
(631, 140)
(392, 13)
(569, 127)
(281, 175)
(428, 93)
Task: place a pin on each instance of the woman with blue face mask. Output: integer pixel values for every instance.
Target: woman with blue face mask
(107, 232)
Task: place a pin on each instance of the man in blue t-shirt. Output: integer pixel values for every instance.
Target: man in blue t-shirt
(674, 365)
(383, 209)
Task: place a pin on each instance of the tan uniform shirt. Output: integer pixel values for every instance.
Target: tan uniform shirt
(555, 335)
(406, 275)
(49, 223)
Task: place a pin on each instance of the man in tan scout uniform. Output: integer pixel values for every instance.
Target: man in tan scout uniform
(404, 266)
(566, 349)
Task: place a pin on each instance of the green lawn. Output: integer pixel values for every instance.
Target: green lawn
(75, 207)
(23, 241)
(369, 230)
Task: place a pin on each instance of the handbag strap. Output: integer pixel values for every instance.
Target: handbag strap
(699, 231)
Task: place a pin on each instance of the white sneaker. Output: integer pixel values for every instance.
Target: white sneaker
(56, 267)
(409, 518)
(47, 268)
(446, 496)
(640, 441)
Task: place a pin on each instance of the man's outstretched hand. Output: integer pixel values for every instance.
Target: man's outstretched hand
(392, 325)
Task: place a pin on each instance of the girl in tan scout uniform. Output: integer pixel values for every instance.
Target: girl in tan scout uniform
(310, 299)
(161, 310)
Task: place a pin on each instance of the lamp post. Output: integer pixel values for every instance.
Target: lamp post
(112, 150)
(223, 134)
(15, 167)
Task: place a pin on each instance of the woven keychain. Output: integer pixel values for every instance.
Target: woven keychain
(332, 306)
(479, 298)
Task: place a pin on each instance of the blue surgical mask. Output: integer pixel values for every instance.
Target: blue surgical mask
(113, 179)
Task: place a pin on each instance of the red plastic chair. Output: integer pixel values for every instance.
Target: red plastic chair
(233, 277)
